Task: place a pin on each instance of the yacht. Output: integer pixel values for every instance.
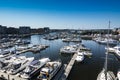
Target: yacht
(115, 49)
(76, 40)
(33, 68)
(49, 70)
(68, 49)
(110, 41)
(80, 57)
(4, 53)
(18, 65)
(66, 39)
(15, 64)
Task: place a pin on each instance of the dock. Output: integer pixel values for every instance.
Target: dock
(61, 75)
(69, 66)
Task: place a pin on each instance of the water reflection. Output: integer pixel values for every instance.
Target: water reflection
(89, 69)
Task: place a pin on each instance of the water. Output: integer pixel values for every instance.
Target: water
(91, 66)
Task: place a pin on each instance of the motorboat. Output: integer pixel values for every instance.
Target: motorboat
(49, 70)
(18, 65)
(4, 53)
(80, 57)
(15, 64)
(68, 49)
(110, 41)
(66, 39)
(22, 47)
(33, 68)
(115, 49)
(2, 64)
(76, 40)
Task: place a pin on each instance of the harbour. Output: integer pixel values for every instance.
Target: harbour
(59, 40)
(71, 69)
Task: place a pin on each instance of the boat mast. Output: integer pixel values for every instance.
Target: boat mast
(106, 58)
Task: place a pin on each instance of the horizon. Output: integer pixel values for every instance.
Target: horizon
(60, 14)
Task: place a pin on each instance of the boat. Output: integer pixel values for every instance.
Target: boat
(66, 39)
(70, 49)
(49, 70)
(76, 40)
(2, 64)
(4, 53)
(72, 40)
(80, 57)
(16, 64)
(115, 49)
(110, 41)
(118, 74)
(105, 74)
(33, 68)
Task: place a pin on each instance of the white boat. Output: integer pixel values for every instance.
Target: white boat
(33, 68)
(68, 49)
(110, 41)
(18, 66)
(115, 49)
(15, 64)
(4, 53)
(76, 40)
(80, 57)
(49, 70)
(87, 53)
(66, 39)
(22, 47)
(118, 75)
(105, 74)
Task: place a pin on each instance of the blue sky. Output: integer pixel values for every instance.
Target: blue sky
(60, 14)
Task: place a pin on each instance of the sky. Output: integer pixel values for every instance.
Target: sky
(60, 14)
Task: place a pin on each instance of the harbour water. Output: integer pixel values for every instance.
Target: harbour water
(88, 69)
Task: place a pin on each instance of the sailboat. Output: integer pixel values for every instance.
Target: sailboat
(105, 74)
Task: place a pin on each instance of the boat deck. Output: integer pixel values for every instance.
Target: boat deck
(60, 73)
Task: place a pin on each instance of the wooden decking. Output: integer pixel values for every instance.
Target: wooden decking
(69, 66)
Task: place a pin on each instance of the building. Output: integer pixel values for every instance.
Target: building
(24, 30)
(12, 30)
(3, 29)
(39, 30)
(116, 30)
(46, 29)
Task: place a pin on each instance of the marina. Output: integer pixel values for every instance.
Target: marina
(94, 54)
(59, 40)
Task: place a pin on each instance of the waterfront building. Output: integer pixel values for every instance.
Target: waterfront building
(24, 30)
(12, 30)
(46, 29)
(3, 29)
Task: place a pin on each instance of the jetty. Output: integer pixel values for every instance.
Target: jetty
(68, 68)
